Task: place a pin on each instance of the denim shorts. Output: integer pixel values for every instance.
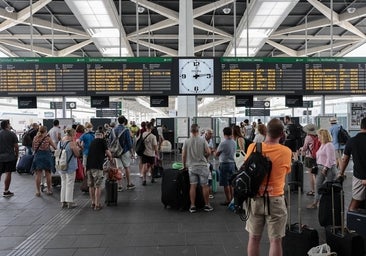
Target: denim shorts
(226, 172)
(198, 174)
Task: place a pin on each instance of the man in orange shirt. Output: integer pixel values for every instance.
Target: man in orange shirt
(276, 216)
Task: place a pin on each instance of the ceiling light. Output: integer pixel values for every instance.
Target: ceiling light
(140, 9)
(226, 10)
(9, 9)
(351, 10)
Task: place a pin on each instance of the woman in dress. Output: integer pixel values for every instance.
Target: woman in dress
(42, 159)
(240, 146)
(68, 175)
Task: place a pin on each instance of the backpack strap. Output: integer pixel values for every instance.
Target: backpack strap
(39, 145)
(265, 193)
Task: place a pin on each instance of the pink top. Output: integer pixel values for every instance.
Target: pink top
(308, 145)
(326, 155)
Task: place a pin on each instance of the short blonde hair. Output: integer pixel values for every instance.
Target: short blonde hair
(324, 136)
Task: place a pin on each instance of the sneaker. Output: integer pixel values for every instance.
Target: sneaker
(192, 209)
(120, 189)
(130, 186)
(8, 194)
(144, 183)
(152, 180)
(211, 196)
(208, 208)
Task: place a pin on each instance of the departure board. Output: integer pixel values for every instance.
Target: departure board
(42, 76)
(335, 76)
(129, 76)
(261, 76)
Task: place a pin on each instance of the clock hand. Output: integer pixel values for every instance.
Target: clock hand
(198, 75)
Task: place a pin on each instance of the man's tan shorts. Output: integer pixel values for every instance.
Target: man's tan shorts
(358, 190)
(276, 221)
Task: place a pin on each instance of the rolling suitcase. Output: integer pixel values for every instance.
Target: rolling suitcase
(325, 204)
(356, 220)
(183, 192)
(296, 176)
(299, 239)
(111, 193)
(169, 189)
(340, 239)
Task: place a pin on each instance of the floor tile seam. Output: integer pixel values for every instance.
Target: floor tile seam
(34, 243)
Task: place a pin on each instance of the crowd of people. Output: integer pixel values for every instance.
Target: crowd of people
(282, 141)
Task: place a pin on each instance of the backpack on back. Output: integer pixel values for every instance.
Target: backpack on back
(316, 146)
(61, 161)
(343, 136)
(27, 139)
(115, 147)
(140, 145)
(247, 182)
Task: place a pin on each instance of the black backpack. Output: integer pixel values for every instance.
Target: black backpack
(247, 181)
(343, 136)
(27, 139)
(140, 145)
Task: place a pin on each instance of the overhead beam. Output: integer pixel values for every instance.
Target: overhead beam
(43, 37)
(327, 12)
(210, 7)
(282, 48)
(73, 48)
(350, 48)
(163, 11)
(157, 26)
(166, 50)
(323, 48)
(24, 14)
(210, 45)
(313, 37)
(36, 49)
(7, 51)
(175, 37)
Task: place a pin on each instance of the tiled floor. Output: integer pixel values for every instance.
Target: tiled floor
(139, 225)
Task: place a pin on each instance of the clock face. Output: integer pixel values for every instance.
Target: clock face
(196, 76)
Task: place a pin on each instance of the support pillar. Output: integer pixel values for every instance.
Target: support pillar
(187, 105)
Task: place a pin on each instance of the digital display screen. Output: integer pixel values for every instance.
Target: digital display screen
(129, 76)
(159, 101)
(42, 76)
(27, 102)
(244, 101)
(294, 101)
(99, 101)
(261, 76)
(335, 76)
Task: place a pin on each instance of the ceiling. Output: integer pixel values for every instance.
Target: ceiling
(51, 28)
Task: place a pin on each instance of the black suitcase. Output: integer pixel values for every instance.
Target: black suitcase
(325, 204)
(175, 190)
(169, 189)
(183, 192)
(341, 240)
(111, 193)
(299, 239)
(356, 220)
(296, 176)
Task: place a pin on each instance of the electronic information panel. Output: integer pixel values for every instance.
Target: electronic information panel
(335, 76)
(42, 76)
(128, 76)
(261, 76)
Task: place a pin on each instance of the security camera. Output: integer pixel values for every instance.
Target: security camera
(9, 9)
(226, 10)
(351, 10)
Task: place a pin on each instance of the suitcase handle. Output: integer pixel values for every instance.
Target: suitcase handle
(298, 204)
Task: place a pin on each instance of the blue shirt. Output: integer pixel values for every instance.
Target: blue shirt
(86, 138)
(334, 130)
(125, 140)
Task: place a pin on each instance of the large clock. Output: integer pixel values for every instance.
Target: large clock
(196, 76)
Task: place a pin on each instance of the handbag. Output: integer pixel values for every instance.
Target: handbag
(114, 173)
(321, 250)
(239, 158)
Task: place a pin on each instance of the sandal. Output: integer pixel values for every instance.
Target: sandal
(310, 193)
(92, 205)
(98, 208)
(49, 192)
(38, 194)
